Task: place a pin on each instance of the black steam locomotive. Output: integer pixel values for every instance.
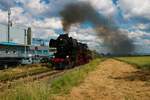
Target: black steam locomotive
(69, 52)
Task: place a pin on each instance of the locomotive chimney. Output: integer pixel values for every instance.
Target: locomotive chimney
(67, 33)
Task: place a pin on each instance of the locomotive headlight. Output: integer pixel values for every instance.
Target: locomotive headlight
(53, 56)
(67, 56)
(30, 55)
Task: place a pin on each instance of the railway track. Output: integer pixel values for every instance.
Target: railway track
(50, 75)
(12, 82)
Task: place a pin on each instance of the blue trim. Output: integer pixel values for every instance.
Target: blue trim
(9, 43)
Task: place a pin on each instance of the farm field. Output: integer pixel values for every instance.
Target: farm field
(142, 62)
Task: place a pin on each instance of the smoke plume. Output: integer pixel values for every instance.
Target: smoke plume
(81, 12)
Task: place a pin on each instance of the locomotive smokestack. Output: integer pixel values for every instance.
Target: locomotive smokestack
(114, 39)
(66, 32)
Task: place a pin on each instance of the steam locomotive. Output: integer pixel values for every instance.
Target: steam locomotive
(69, 52)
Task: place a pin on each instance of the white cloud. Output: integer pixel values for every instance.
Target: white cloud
(55, 6)
(146, 41)
(18, 17)
(88, 36)
(134, 34)
(81, 34)
(6, 4)
(105, 7)
(139, 37)
(51, 23)
(16, 11)
(135, 8)
(3, 16)
(34, 7)
(141, 26)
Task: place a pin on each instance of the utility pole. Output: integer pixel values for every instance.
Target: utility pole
(25, 35)
(9, 24)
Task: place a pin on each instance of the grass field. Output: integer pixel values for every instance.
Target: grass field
(45, 90)
(142, 62)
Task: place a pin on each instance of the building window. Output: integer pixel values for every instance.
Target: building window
(14, 52)
(39, 51)
(7, 52)
(45, 52)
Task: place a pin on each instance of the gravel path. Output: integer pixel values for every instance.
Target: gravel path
(113, 80)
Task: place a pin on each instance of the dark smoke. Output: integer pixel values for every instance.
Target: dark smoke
(80, 12)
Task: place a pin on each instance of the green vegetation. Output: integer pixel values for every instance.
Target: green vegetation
(142, 62)
(72, 78)
(22, 71)
(30, 91)
(45, 90)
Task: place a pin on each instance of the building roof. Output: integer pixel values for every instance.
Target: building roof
(10, 43)
(20, 45)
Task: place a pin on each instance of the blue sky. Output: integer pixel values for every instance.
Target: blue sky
(131, 16)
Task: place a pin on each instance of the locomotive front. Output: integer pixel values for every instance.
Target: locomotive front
(63, 56)
(69, 52)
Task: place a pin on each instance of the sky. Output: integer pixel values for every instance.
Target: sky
(131, 16)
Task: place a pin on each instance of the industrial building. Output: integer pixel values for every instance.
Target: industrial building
(12, 53)
(19, 49)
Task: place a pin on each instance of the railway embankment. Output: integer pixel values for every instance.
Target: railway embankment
(46, 88)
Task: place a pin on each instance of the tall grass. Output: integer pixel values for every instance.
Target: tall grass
(34, 91)
(45, 90)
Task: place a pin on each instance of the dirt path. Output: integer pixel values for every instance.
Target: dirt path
(113, 80)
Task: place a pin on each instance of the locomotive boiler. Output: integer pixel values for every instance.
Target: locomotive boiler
(69, 52)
